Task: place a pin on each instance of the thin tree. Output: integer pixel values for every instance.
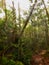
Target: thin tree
(27, 20)
(46, 25)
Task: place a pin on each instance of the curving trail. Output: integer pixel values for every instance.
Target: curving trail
(40, 59)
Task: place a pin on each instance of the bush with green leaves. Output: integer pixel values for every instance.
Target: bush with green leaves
(6, 61)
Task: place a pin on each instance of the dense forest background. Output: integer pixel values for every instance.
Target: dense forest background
(23, 37)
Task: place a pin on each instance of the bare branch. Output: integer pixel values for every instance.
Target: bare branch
(46, 9)
(28, 18)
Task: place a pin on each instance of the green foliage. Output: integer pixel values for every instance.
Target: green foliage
(19, 63)
(6, 61)
(18, 50)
